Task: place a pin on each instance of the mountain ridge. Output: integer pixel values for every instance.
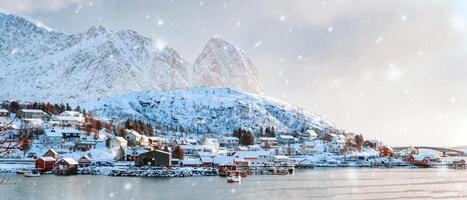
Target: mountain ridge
(54, 66)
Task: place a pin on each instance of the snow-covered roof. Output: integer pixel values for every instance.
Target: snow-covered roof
(47, 158)
(206, 154)
(69, 130)
(267, 138)
(190, 161)
(312, 133)
(4, 110)
(281, 157)
(70, 161)
(32, 111)
(287, 137)
(52, 150)
(211, 141)
(70, 114)
(220, 160)
(338, 138)
(136, 151)
(69, 118)
(229, 138)
(129, 131)
(155, 138)
(58, 132)
(53, 133)
(85, 157)
(250, 154)
(206, 159)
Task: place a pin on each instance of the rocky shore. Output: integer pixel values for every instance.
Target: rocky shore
(149, 172)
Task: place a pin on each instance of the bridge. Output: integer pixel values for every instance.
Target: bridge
(445, 151)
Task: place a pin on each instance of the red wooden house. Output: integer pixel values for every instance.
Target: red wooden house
(45, 163)
(84, 161)
(418, 160)
(225, 169)
(66, 166)
(386, 151)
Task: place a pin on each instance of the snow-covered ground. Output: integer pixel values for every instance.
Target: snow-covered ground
(206, 109)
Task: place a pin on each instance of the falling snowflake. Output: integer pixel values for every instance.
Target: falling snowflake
(148, 16)
(238, 24)
(257, 44)
(78, 9)
(160, 22)
(201, 3)
(394, 73)
(160, 43)
(379, 40)
(127, 186)
(404, 17)
(91, 3)
(330, 29)
(282, 18)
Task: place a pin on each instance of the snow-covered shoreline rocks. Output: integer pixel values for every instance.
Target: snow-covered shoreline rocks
(148, 172)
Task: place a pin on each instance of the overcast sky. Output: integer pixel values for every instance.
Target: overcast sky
(392, 70)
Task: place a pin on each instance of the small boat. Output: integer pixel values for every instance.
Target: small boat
(234, 179)
(21, 171)
(32, 173)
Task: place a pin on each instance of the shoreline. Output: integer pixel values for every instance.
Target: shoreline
(186, 172)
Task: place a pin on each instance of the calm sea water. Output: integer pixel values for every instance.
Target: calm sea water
(328, 183)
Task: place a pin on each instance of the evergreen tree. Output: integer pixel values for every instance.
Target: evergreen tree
(178, 153)
(68, 107)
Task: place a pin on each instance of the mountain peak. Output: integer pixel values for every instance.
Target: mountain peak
(220, 58)
(13, 20)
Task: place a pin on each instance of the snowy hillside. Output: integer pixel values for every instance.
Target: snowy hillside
(39, 64)
(207, 110)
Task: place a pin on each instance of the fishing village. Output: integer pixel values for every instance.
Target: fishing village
(73, 142)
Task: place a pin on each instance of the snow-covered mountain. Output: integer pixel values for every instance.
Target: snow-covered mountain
(39, 64)
(206, 109)
(219, 58)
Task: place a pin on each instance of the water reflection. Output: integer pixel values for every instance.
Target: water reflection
(334, 183)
